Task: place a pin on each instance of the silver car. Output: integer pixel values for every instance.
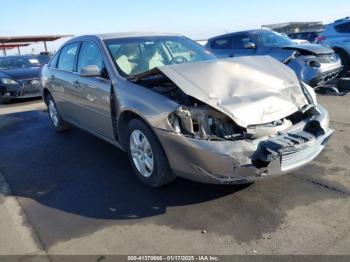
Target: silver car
(337, 36)
(178, 111)
(313, 64)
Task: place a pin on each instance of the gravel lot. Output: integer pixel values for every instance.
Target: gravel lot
(76, 194)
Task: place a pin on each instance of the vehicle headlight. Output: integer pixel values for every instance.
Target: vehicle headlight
(8, 81)
(35, 82)
(203, 122)
(309, 91)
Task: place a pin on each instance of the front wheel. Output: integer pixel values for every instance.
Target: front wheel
(4, 100)
(147, 156)
(56, 119)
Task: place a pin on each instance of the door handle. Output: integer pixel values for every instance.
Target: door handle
(76, 84)
(91, 98)
(52, 77)
(231, 55)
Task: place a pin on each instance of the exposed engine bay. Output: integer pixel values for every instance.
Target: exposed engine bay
(196, 119)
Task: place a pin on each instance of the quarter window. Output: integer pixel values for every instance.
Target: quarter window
(67, 57)
(343, 28)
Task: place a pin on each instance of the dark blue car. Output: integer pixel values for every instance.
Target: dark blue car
(313, 64)
(20, 76)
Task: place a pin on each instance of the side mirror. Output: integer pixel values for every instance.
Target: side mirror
(90, 71)
(249, 45)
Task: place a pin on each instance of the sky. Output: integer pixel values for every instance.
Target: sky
(197, 19)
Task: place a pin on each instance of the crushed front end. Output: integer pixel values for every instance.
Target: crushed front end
(257, 156)
(238, 120)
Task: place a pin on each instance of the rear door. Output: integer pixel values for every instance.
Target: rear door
(63, 82)
(94, 92)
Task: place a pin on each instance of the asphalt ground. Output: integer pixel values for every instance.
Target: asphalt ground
(73, 193)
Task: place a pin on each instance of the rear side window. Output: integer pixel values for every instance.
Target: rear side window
(222, 43)
(343, 28)
(238, 41)
(66, 60)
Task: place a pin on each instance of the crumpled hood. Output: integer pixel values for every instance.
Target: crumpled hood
(311, 48)
(251, 90)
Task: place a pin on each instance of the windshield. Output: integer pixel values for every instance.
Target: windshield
(137, 55)
(18, 62)
(274, 39)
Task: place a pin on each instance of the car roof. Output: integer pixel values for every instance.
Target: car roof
(116, 36)
(242, 32)
(342, 20)
(133, 34)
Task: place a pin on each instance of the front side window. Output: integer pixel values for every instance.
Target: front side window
(343, 28)
(222, 43)
(136, 55)
(239, 41)
(18, 62)
(66, 60)
(274, 39)
(90, 55)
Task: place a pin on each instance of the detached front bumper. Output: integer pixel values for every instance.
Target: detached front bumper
(25, 88)
(237, 162)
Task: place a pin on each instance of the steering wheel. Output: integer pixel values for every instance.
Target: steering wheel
(178, 60)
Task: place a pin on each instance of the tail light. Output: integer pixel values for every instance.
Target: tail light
(319, 39)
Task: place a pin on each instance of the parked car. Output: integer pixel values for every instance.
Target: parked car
(43, 58)
(297, 40)
(337, 36)
(313, 64)
(177, 110)
(309, 36)
(300, 41)
(19, 77)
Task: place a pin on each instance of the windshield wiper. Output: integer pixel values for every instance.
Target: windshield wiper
(150, 73)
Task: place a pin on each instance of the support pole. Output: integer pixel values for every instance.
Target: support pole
(3, 49)
(45, 46)
(19, 50)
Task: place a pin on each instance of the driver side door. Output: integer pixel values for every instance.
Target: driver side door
(94, 92)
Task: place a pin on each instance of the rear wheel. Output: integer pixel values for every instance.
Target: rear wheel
(56, 119)
(344, 57)
(147, 156)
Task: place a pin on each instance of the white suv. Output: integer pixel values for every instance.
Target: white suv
(337, 36)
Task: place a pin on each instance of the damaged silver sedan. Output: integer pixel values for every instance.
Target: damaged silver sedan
(178, 111)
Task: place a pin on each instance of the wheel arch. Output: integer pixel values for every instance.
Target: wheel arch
(338, 49)
(122, 122)
(45, 94)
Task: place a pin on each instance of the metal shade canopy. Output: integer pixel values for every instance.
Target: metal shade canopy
(10, 42)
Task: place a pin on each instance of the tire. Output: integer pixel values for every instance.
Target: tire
(344, 57)
(4, 100)
(55, 116)
(150, 150)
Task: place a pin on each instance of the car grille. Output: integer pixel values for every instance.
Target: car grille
(298, 157)
(30, 86)
(327, 58)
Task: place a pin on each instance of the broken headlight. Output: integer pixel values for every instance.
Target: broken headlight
(203, 122)
(309, 93)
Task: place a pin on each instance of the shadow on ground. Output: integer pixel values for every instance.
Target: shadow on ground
(73, 184)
